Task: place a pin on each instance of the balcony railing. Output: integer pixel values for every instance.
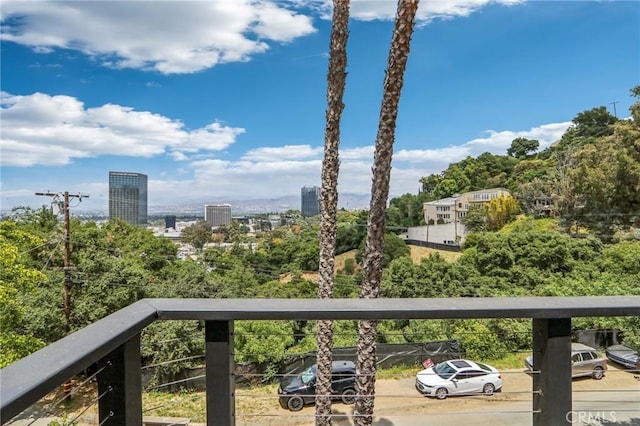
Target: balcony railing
(113, 343)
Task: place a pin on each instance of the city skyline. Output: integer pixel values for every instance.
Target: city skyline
(218, 104)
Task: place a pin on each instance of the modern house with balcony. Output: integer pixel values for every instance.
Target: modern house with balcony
(443, 217)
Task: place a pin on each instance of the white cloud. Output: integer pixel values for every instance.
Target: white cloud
(176, 37)
(357, 153)
(432, 156)
(278, 171)
(41, 129)
(497, 142)
(287, 152)
(167, 36)
(370, 10)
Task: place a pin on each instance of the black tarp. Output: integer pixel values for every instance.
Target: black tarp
(598, 339)
(388, 354)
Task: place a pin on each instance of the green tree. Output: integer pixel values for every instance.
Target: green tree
(635, 107)
(394, 247)
(16, 278)
(446, 188)
(594, 122)
(500, 211)
(476, 218)
(351, 231)
(521, 147)
(406, 210)
(457, 174)
(430, 183)
(197, 234)
(171, 347)
(606, 179)
(586, 127)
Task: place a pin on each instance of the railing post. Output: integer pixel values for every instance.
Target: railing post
(552, 359)
(219, 370)
(120, 386)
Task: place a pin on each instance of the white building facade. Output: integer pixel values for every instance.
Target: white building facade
(443, 216)
(217, 214)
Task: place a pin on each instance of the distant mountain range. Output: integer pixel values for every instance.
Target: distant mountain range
(195, 207)
(260, 205)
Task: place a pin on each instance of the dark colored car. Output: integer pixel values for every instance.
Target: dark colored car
(624, 355)
(298, 391)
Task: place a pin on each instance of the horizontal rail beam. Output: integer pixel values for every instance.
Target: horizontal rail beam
(27, 380)
(437, 308)
(24, 382)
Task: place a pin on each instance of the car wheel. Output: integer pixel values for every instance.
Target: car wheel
(348, 396)
(295, 403)
(488, 389)
(598, 373)
(441, 393)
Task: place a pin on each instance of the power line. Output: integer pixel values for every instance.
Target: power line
(61, 200)
(615, 113)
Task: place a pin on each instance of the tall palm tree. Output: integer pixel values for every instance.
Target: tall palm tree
(336, 80)
(372, 260)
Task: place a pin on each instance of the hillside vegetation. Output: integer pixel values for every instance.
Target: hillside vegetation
(591, 246)
(591, 176)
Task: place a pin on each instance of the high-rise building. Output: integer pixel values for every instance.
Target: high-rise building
(170, 222)
(128, 197)
(310, 196)
(217, 214)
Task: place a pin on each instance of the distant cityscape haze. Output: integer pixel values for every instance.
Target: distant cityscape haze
(196, 207)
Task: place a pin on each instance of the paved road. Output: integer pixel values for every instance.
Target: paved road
(614, 408)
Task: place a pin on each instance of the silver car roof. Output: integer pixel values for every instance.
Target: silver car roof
(579, 347)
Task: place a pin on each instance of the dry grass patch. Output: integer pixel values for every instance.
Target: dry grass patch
(418, 252)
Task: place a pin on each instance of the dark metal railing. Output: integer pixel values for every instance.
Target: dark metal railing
(113, 343)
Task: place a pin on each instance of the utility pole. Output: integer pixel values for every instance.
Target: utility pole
(428, 231)
(455, 221)
(615, 113)
(67, 247)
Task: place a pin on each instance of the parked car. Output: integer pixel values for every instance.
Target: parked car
(296, 392)
(585, 362)
(458, 377)
(624, 355)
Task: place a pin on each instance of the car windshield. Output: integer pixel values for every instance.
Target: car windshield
(307, 375)
(444, 370)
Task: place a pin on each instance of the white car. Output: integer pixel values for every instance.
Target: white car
(458, 377)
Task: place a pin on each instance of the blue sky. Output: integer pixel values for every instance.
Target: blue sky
(225, 99)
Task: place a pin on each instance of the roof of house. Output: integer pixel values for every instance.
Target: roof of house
(443, 201)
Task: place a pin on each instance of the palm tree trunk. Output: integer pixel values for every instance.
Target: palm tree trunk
(372, 260)
(336, 80)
